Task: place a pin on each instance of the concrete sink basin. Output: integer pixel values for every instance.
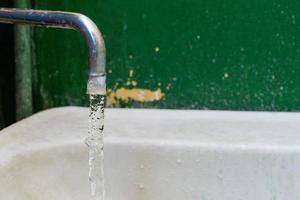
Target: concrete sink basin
(154, 155)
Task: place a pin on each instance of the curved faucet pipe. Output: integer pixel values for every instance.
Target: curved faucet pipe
(81, 23)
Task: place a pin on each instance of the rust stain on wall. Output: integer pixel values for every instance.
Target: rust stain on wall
(135, 94)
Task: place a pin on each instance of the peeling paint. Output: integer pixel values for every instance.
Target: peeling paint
(133, 83)
(135, 94)
(226, 75)
(169, 86)
(129, 81)
(131, 73)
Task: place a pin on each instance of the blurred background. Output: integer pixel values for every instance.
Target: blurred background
(174, 54)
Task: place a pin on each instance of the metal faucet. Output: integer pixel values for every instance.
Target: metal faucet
(97, 78)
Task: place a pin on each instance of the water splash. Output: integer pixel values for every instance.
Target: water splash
(95, 144)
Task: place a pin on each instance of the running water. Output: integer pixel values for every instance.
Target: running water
(95, 144)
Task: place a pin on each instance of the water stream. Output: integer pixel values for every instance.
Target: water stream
(95, 144)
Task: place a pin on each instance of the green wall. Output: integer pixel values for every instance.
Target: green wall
(201, 54)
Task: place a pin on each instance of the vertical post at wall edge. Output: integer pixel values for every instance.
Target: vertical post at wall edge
(23, 60)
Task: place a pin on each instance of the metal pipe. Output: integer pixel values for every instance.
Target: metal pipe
(87, 28)
(24, 68)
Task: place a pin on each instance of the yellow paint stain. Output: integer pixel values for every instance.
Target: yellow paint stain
(135, 94)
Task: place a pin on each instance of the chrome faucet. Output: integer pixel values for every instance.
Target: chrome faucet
(97, 78)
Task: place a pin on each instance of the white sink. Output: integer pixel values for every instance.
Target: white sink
(154, 155)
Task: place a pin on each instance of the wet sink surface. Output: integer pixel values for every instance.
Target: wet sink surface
(154, 155)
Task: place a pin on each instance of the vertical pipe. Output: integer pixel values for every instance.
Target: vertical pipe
(23, 59)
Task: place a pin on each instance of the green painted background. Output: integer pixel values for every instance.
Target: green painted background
(213, 54)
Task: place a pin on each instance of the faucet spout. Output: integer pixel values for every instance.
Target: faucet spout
(88, 29)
